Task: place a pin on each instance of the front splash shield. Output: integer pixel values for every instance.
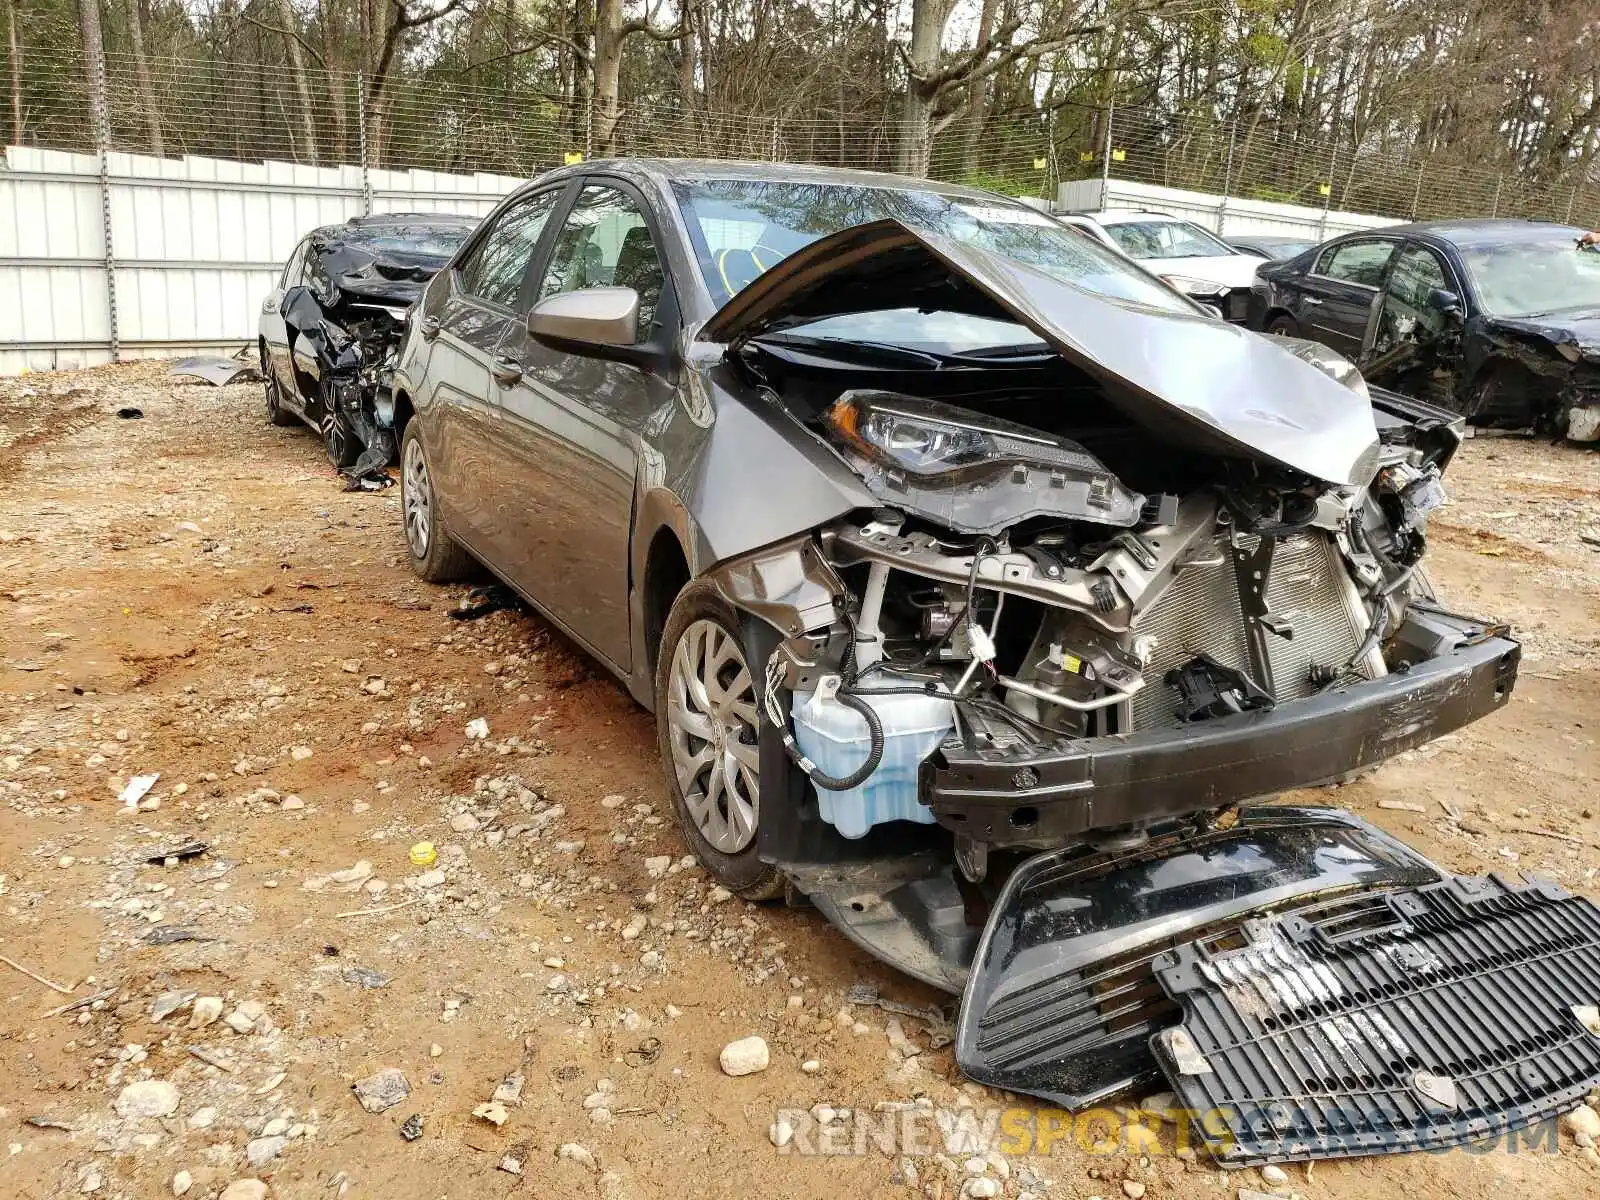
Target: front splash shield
(1061, 999)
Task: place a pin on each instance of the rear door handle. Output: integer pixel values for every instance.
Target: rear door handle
(507, 371)
(429, 327)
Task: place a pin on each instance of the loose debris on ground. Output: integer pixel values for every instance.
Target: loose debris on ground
(404, 911)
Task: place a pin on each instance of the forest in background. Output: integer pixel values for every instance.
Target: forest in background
(1384, 104)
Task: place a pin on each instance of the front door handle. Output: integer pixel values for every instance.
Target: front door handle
(429, 327)
(507, 371)
(1312, 300)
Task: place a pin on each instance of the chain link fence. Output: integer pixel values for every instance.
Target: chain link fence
(436, 121)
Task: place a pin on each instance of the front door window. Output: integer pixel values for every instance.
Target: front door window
(606, 243)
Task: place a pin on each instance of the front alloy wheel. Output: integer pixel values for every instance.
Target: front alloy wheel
(708, 728)
(711, 719)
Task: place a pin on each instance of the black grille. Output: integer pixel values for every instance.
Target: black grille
(1085, 1033)
(1455, 1013)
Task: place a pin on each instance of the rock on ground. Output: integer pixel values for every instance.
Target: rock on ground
(383, 1090)
(745, 1056)
(147, 1098)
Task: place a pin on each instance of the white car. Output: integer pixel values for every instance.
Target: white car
(1191, 259)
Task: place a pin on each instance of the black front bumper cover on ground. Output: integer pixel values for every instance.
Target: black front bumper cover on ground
(1020, 796)
(1464, 1010)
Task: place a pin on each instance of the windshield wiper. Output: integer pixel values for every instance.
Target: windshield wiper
(1019, 350)
(900, 354)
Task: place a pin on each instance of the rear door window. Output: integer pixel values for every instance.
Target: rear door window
(493, 272)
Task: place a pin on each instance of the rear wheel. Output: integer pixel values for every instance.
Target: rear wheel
(276, 413)
(708, 729)
(435, 555)
(1283, 325)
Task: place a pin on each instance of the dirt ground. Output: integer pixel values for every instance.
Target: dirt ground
(192, 594)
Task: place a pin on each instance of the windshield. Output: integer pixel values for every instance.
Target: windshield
(742, 227)
(1526, 279)
(935, 332)
(1166, 239)
(1277, 251)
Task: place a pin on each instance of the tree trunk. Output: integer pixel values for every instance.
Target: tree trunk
(686, 64)
(302, 86)
(141, 66)
(607, 71)
(978, 94)
(915, 143)
(94, 53)
(16, 72)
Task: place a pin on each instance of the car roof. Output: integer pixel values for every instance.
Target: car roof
(695, 169)
(379, 221)
(1124, 216)
(1480, 231)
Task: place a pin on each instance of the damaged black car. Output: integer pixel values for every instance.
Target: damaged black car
(977, 580)
(1498, 320)
(330, 329)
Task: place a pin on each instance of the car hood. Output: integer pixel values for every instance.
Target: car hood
(1191, 379)
(1228, 270)
(390, 277)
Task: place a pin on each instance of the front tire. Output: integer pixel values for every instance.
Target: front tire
(708, 727)
(338, 439)
(1283, 325)
(276, 413)
(435, 555)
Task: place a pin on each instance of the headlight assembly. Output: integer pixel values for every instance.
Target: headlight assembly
(931, 440)
(970, 472)
(1198, 289)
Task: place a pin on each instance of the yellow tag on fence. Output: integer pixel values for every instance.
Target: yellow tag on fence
(573, 157)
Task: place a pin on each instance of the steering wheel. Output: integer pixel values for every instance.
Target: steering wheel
(738, 266)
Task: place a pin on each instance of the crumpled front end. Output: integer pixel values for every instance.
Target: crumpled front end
(345, 331)
(1037, 654)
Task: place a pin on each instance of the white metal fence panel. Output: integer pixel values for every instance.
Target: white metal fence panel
(1225, 215)
(196, 242)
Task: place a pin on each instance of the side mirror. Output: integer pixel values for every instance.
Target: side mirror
(589, 318)
(1446, 302)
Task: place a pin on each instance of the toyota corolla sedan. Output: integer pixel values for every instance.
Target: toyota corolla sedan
(935, 534)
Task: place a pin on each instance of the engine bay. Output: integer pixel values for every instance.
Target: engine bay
(1044, 572)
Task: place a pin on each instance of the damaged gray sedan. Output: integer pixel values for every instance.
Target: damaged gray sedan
(975, 578)
(331, 328)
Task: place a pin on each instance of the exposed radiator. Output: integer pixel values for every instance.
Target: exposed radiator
(1200, 614)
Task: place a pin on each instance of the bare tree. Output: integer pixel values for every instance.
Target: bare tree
(94, 53)
(611, 35)
(141, 63)
(16, 71)
(297, 67)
